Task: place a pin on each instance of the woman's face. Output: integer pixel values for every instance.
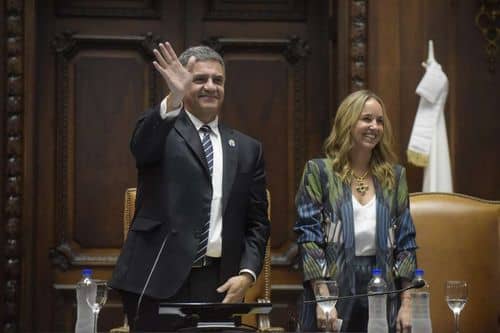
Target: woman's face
(367, 131)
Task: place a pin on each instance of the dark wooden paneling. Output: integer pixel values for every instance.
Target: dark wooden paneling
(85, 118)
(102, 82)
(399, 35)
(269, 84)
(266, 100)
(477, 117)
(287, 102)
(98, 69)
(109, 8)
(241, 10)
(398, 45)
(105, 110)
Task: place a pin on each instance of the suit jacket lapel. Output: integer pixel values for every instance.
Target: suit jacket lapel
(230, 162)
(186, 129)
(382, 226)
(347, 217)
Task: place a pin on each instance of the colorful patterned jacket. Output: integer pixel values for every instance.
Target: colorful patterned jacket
(325, 227)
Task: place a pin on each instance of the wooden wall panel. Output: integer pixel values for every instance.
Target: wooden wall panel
(266, 100)
(95, 78)
(104, 113)
(271, 84)
(477, 105)
(263, 118)
(288, 83)
(109, 8)
(285, 99)
(271, 10)
(272, 74)
(101, 81)
(398, 42)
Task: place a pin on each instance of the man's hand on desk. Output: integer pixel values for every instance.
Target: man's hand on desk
(236, 287)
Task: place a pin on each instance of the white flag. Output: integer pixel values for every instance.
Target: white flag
(428, 145)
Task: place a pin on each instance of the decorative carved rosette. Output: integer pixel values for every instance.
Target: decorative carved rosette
(487, 20)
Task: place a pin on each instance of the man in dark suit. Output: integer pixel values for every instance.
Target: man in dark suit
(200, 228)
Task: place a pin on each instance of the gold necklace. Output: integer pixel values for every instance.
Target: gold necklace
(361, 185)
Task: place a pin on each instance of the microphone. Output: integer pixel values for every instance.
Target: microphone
(414, 285)
(139, 301)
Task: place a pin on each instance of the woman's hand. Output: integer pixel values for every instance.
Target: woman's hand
(323, 323)
(403, 323)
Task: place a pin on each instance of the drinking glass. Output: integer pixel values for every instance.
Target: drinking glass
(456, 297)
(99, 289)
(323, 291)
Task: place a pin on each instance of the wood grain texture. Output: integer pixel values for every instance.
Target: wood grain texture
(399, 35)
(290, 63)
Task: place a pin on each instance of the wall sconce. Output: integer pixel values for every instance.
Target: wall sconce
(488, 21)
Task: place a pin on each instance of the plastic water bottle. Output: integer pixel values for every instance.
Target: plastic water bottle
(377, 305)
(84, 316)
(421, 318)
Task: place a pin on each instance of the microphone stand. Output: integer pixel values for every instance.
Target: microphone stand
(416, 285)
(139, 301)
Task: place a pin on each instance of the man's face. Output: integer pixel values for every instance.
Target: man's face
(205, 94)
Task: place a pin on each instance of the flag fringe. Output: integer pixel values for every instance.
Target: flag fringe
(418, 159)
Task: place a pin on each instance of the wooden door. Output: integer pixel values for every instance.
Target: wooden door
(94, 77)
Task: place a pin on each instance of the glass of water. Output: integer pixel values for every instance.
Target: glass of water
(456, 297)
(325, 292)
(97, 297)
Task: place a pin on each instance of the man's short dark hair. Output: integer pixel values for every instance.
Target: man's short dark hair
(201, 53)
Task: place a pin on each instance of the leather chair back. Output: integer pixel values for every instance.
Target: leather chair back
(458, 238)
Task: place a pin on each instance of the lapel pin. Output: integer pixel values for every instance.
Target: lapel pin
(232, 143)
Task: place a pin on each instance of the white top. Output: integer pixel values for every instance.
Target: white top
(365, 222)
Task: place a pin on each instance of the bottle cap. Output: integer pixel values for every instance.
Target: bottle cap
(419, 272)
(377, 272)
(86, 272)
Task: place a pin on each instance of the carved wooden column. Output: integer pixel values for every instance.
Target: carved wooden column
(358, 48)
(13, 160)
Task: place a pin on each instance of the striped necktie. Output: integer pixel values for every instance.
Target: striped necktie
(207, 147)
(209, 155)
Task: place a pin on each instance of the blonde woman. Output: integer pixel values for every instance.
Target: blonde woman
(353, 215)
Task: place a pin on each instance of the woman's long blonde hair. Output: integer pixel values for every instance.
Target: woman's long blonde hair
(339, 143)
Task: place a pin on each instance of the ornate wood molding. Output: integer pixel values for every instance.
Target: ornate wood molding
(290, 10)
(293, 49)
(288, 258)
(150, 9)
(64, 256)
(487, 20)
(14, 162)
(358, 44)
(67, 45)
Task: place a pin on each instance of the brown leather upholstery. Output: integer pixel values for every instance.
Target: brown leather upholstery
(259, 292)
(458, 238)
